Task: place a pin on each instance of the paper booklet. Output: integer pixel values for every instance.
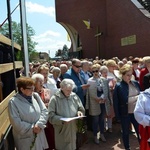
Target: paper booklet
(70, 119)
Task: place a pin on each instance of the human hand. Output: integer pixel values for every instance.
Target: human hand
(103, 100)
(97, 100)
(79, 113)
(108, 116)
(36, 129)
(85, 86)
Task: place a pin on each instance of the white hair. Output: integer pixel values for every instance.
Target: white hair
(103, 68)
(63, 65)
(66, 83)
(37, 76)
(55, 69)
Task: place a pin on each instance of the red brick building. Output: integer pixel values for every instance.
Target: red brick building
(117, 28)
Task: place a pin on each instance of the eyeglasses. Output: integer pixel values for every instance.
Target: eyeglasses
(40, 81)
(30, 88)
(95, 71)
(77, 66)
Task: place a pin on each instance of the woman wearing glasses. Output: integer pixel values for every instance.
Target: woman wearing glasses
(28, 116)
(98, 102)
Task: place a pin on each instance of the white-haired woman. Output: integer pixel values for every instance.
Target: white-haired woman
(63, 70)
(45, 95)
(65, 104)
(55, 75)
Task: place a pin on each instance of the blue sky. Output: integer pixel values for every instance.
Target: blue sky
(40, 16)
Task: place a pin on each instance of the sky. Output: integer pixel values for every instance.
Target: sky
(40, 15)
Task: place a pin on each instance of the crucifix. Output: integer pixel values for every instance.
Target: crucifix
(97, 35)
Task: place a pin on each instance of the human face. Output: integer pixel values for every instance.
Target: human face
(67, 91)
(104, 73)
(95, 72)
(39, 85)
(56, 74)
(77, 67)
(44, 72)
(127, 76)
(135, 65)
(111, 68)
(147, 64)
(63, 70)
(28, 90)
(86, 66)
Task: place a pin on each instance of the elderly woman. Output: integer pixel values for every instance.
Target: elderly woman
(28, 116)
(125, 96)
(55, 75)
(65, 104)
(98, 102)
(45, 95)
(112, 82)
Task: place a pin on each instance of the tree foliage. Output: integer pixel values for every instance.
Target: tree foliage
(17, 37)
(58, 53)
(63, 53)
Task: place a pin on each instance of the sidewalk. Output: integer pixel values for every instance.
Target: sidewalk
(114, 141)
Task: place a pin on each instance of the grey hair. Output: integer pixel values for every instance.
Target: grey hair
(103, 68)
(55, 69)
(65, 83)
(84, 62)
(37, 76)
(63, 65)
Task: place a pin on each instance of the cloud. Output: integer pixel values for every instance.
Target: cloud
(48, 34)
(36, 8)
(49, 41)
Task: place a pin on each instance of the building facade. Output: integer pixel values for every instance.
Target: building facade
(117, 28)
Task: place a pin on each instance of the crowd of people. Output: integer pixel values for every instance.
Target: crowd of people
(105, 91)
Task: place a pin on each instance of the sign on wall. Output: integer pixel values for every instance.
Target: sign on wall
(128, 40)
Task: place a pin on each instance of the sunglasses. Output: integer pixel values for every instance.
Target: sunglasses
(77, 66)
(95, 71)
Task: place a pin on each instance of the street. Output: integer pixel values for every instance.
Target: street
(114, 141)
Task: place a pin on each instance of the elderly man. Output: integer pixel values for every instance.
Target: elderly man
(74, 74)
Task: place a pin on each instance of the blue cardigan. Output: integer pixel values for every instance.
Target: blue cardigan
(120, 98)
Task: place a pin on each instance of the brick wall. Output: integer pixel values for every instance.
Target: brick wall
(115, 18)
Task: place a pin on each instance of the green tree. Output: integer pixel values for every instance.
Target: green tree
(62, 52)
(16, 31)
(65, 52)
(58, 53)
